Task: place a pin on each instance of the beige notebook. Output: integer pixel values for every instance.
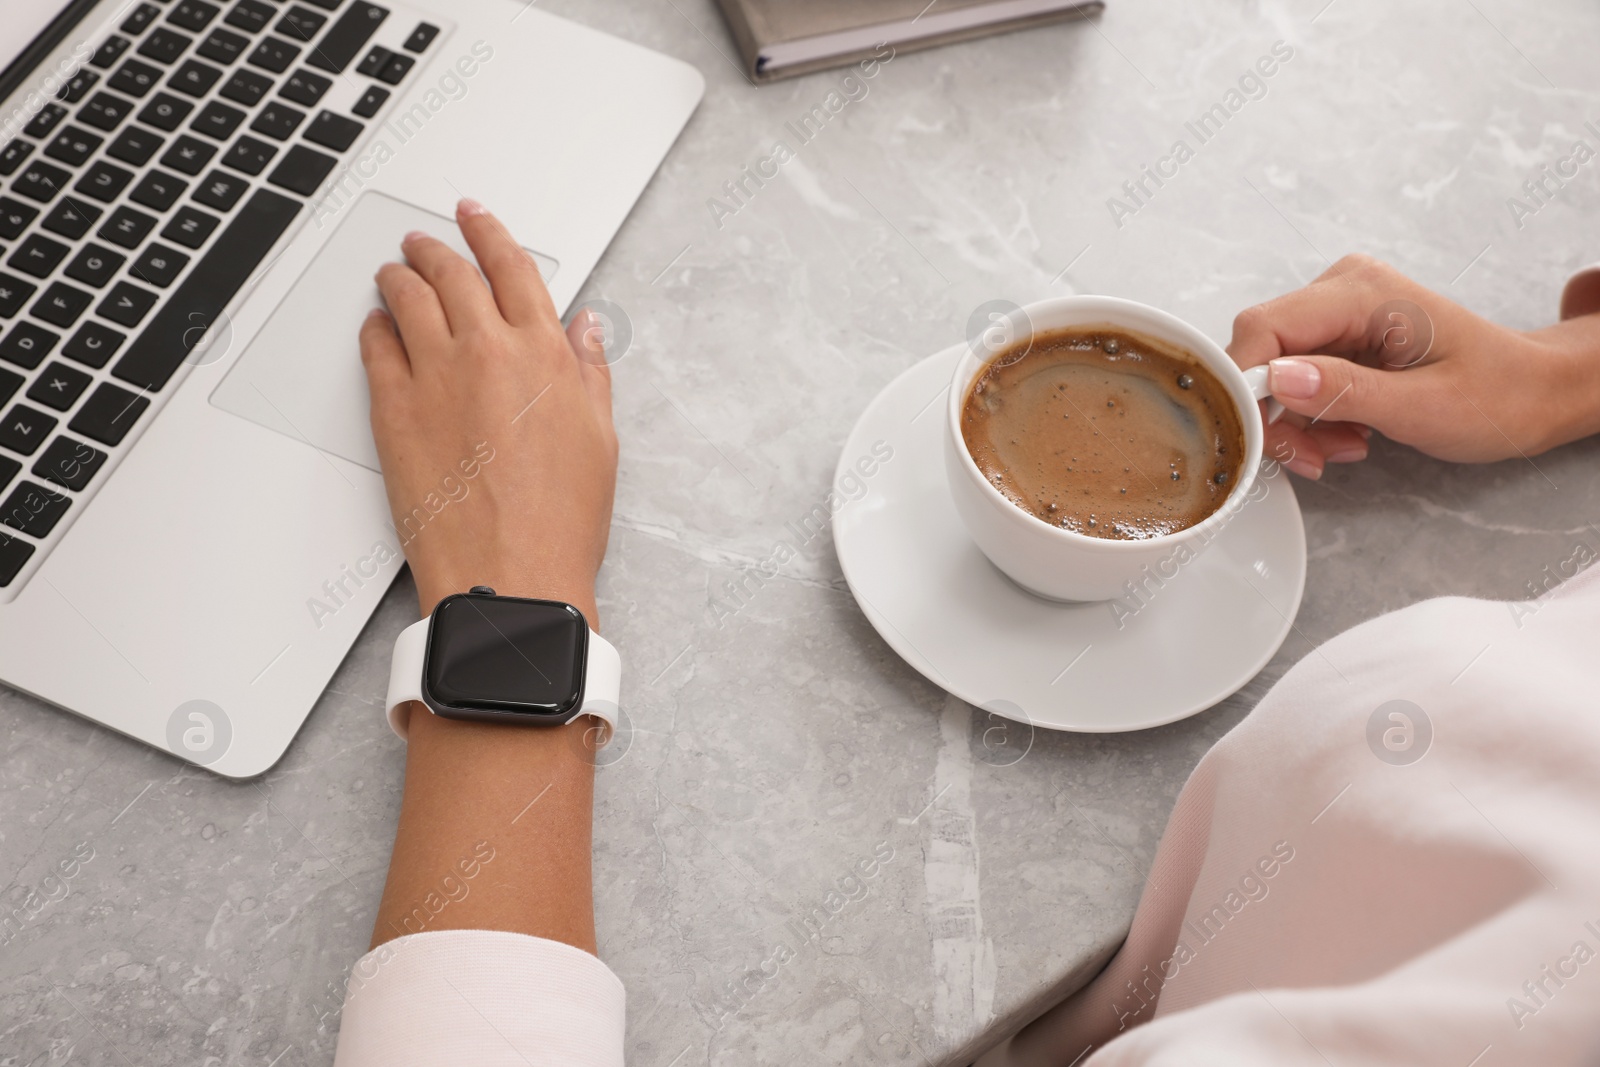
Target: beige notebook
(782, 38)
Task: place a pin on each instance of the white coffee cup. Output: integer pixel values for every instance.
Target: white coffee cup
(1053, 562)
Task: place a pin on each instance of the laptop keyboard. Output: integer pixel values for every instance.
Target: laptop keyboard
(138, 203)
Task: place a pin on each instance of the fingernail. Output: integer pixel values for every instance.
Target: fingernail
(1364, 431)
(413, 237)
(594, 332)
(1305, 468)
(375, 313)
(1294, 378)
(469, 207)
(1354, 454)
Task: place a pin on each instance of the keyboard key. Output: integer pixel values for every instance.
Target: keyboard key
(302, 170)
(160, 265)
(165, 111)
(108, 414)
(396, 69)
(105, 112)
(14, 292)
(273, 54)
(165, 46)
(38, 256)
(193, 15)
(95, 265)
(190, 227)
(59, 386)
(93, 345)
(327, 5)
(13, 154)
(375, 61)
(140, 20)
(251, 16)
(109, 52)
(247, 87)
(10, 382)
(25, 429)
(135, 78)
(421, 37)
(71, 218)
(45, 122)
(249, 155)
(33, 509)
(40, 181)
(135, 146)
(223, 46)
(304, 87)
(103, 181)
(126, 305)
(348, 36)
(217, 120)
(70, 464)
(127, 228)
(14, 552)
(220, 190)
(26, 345)
(14, 217)
(61, 304)
(160, 349)
(78, 87)
(278, 121)
(300, 23)
(158, 190)
(371, 101)
(73, 146)
(334, 131)
(188, 155)
(195, 78)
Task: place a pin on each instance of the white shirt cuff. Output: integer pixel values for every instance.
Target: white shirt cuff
(481, 997)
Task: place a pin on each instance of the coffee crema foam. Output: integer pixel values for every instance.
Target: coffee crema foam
(1104, 432)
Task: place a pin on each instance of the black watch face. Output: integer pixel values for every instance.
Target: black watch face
(504, 655)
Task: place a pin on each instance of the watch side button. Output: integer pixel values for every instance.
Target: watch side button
(481, 590)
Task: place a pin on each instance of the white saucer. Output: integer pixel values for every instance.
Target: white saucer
(967, 628)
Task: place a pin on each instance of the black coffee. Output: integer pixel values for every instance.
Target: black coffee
(1105, 432)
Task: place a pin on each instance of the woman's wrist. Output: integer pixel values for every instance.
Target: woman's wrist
(1569, 404)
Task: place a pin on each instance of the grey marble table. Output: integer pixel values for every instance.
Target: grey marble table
(779, 749)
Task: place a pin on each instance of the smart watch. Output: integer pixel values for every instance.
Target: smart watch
(504, 659)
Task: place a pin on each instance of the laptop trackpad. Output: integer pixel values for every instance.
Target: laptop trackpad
(302, 374)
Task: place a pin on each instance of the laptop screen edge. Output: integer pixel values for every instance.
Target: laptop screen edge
(23, 67)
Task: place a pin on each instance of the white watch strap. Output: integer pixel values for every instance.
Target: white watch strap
(602, 680)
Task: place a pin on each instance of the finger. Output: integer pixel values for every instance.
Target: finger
(1331, 388)
(1324, 316)
(382, 353)
(466, 300)
(514, 277)
(1340, 442)
(587, 336)
(415, 307)
(1292, 446)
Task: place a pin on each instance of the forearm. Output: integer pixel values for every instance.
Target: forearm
(527, 793)
(522, 795)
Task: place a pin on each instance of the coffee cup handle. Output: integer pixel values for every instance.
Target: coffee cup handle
(1256, 379)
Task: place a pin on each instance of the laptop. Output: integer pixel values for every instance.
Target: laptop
(194, 196)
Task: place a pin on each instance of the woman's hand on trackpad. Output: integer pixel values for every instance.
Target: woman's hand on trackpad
(493, 423)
